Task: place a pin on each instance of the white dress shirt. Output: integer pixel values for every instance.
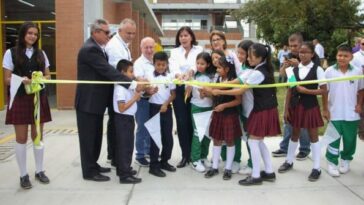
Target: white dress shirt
(8, 60)
(358, 59)
(164, 90)
(179, 63)
(319, 50)
(117, 49)
(123, 95)
(303, 71)
(142, 67)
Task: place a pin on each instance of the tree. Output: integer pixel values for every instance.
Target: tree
(329, 21)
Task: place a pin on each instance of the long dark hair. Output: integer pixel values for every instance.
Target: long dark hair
(263, 51)
(228, 62)
(21, 46)
(245, 45)
(189, 31)
(211, 69)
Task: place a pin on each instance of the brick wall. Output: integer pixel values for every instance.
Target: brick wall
(69, 39)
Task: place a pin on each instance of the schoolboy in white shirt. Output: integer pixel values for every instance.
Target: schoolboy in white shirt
(160, 102)
(125, 107)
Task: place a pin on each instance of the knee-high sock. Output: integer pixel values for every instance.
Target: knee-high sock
(21, 158)
(38, 156)
(230, 152)
(255, 153)
(266, 157)
(216, 156)
(316, 154)
(292, 146)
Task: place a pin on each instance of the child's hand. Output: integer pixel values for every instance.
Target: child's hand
(151, 90)
(164, 108)
(326, 114)
(215, 92)
(286, 116)
(137, 96)
(219, 108)
(206, 90)
(358, 109)
(301, 89)
(26, 80)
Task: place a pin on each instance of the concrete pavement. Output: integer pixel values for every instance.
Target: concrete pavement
(62, 164)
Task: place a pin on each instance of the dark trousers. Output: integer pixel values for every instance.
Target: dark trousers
(124, 143)
(184, 121)
(90, 137)
(110, 134)
(166, 122)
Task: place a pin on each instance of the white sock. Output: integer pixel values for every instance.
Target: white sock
(216, 156)
(230, 152)
(316, 154)
(292, 146)
(21, 158)
(266, 157)
(255, 154)
(38, 156)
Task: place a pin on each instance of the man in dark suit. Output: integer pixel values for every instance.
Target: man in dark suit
(92, 99)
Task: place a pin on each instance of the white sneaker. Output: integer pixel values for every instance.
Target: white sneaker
(198, 166)
(235, 167)
(344, 166)
(206, 163)
(333, 170)
(245, 170)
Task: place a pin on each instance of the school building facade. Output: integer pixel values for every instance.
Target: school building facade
(64, 28)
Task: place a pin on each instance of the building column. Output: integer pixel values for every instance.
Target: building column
(135, 49)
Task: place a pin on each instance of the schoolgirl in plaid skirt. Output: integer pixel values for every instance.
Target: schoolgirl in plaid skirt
(22, 60)
(225, 123)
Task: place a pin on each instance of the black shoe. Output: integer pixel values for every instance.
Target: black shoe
(132, 172)
(25, 182)
(168, 167)
(227, 175)
(130, 180)
(211, 172)
(104, 169)
(183, 163)
(301, 156)
(315, 175)
(279, 153)
(285, 167)
(251, 181)
(42, 178)
(157, 172)
(98, 178)
(142, 162)
(269, 177)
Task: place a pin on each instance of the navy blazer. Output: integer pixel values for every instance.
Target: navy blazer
(92, 64)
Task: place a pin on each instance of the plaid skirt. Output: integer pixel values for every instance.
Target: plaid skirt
(264, 123)
(22, 110)
(225, 127)
(300, 117)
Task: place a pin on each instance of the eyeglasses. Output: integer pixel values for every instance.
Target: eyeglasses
(106, 32)
(216, 39)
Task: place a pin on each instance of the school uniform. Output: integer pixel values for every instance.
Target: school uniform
(304, 109)
(342, 102)
(166, 121)
(22, 110)
(225, 125)
(199, 150)
(264, 119)
(124, 130)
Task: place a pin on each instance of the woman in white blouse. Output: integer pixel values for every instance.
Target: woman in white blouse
(181, 62)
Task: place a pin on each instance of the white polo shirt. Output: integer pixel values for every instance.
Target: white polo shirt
(142, 67)
(8, 60)
(123, 95)
(179, 64)
(358, 59)
(196, 98)
(247, 96)
(164, 90)
(116, 49)
(343, 94)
